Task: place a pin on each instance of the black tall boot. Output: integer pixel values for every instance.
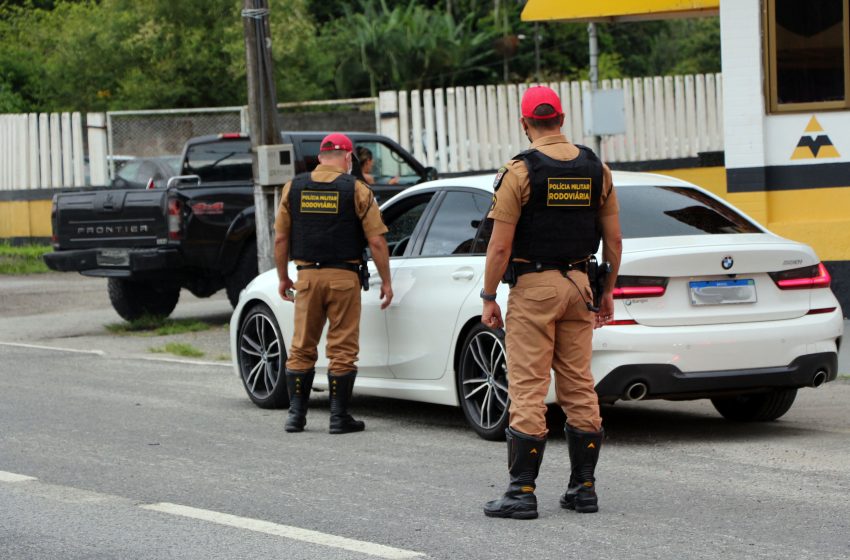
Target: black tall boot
(525, 453)
(299, 384)
(340, 387)
(584, 453)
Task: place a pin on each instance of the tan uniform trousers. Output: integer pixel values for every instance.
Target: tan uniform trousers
(548, 327)
(324, 296)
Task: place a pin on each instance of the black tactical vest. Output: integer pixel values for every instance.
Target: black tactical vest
(559, 223)
(325, 224)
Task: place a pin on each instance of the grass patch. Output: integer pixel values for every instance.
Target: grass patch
(153, 325)
(223, 358)
(23, 259)
(178, 349)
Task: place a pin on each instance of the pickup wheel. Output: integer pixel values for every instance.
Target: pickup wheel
(245, 271)
(132, 300)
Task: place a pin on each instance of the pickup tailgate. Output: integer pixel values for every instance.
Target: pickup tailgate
(110, 218)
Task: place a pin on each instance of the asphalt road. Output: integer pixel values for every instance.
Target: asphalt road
(132, 458)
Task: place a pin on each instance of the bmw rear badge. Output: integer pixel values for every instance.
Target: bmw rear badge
(727, 263)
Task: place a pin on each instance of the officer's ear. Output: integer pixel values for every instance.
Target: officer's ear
(561, 120)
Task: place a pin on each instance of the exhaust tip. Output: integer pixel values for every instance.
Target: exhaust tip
(819, 378)
(636, 391)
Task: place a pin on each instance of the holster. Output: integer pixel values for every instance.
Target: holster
(597, 273)
(363, 273)
(510, 275)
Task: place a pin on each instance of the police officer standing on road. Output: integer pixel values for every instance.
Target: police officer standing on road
(325, 221)
(553, 203)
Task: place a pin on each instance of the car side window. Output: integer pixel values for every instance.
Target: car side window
(455, 225)
(401, 219)
(310, 153)
(388, 166)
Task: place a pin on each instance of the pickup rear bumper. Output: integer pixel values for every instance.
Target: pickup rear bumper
(113, 263)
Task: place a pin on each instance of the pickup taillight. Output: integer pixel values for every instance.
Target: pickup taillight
(175, 218)
(814, 276)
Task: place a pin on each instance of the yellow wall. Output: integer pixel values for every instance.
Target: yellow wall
(25, 218)
(817, 217)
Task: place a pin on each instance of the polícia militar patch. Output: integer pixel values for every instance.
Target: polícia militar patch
(500, 174)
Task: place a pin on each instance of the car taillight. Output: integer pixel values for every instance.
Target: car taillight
(814, 276)
(628, 287)
(175, 218)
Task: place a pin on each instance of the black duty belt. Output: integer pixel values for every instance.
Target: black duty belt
(524, 268)
(319, 265)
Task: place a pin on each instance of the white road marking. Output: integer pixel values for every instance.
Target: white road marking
(55, 348)
(102, 353)
(12, 477)
(295, 533)
(190, 362)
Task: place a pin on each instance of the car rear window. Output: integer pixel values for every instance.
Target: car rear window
(651, 211)
(220, 161)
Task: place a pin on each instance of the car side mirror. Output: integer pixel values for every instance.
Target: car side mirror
(431, 174)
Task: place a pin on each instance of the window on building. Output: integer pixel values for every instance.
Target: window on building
(808, 54)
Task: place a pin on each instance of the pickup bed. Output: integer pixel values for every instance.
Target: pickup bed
(151, 243)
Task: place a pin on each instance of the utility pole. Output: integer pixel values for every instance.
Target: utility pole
(262, 117)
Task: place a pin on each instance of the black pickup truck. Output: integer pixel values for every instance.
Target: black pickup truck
(150, 243)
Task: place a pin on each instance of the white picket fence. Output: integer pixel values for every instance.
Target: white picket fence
(456, 129)
(43, 150)
(476, 127)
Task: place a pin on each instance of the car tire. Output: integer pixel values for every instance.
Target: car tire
(261, 358)
(246, 270)
(761, 407)
(132, 300)
(482, 382)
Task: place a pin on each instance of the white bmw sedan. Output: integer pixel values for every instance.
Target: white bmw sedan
(708, 304)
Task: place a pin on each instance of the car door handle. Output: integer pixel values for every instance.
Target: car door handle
(463, 274)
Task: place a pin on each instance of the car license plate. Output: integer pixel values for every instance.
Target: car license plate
(113, 257)
(718, 292)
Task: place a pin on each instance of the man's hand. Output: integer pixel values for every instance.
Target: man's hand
(491, 315)
(606, 311)
(386, 295)
(284, 288)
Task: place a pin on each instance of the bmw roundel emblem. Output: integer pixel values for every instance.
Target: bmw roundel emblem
(727, 263)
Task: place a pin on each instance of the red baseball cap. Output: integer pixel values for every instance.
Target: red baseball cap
(336, 141)
(540, 95)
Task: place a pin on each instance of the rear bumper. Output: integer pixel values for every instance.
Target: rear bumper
(666, 381)
(86, 262)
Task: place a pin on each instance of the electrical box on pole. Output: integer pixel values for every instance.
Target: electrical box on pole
(272, 163)
(604, 112)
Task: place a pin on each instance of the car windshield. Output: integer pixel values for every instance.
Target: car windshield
(651, 211)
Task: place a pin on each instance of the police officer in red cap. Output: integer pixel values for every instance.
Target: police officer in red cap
(325, 221)
(552, 205)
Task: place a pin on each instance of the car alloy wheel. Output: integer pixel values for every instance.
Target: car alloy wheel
(483, 382)
(262, 359)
